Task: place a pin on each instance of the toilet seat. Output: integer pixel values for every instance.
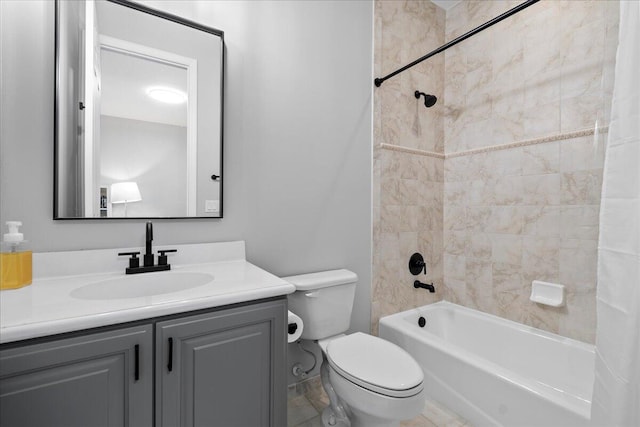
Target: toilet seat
(375, 364)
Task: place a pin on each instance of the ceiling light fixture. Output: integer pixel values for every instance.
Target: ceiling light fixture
(167, 95)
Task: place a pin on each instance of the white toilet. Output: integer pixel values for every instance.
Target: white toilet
(370, 382)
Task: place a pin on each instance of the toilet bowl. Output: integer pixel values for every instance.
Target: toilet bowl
(377, 382)
(370, 382)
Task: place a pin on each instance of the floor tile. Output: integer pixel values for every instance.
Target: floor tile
(299, 410)
(307, 400)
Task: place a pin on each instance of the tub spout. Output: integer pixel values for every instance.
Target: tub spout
(428, 286)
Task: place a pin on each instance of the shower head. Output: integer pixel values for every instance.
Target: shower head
(429, 100)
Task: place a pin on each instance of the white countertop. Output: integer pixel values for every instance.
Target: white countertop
(47, 306)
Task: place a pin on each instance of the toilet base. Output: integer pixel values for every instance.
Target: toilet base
(329, 419)
(368, 409)
(340, 414)
(357, 419)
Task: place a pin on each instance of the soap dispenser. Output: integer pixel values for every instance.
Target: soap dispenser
(15, 260)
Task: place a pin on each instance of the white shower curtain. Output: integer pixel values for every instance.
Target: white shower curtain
(616, 395)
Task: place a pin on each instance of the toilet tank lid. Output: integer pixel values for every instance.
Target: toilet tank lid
(322, 279)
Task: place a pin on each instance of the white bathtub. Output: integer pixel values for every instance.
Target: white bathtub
(493, 371)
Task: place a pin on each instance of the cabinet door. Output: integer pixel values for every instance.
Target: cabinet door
(101, 379)
(225, 368)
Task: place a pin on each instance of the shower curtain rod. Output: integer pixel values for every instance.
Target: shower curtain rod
(508, 13)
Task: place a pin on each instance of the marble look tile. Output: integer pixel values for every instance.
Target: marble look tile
(390, 191)
(541, 159)
(580, 154)
(542, 88)
(441, 416)
(540, 259)
(299, 410)
(474, 132)
(580, 112)
(581, 187)
(455, 218)
(542, 220)
(541, 189)
(542, 120)
(390, 163)
(479, 246)
(580, 222)
(477, 219)
(419, 421)
(541, 316)
(508, 127)
(455, 193)
(411, 192)
(506, 277)
(477, 192)
(455, 266)
(581, 78)
(456, 169)
(505, 220)
(506, 248)
(314, 392)
(479, 276)
(578, 262)
(530, 212)
(411, 168)
(456, 291)
(581, 47)
(507, 190)
(408, 242)
(502, 162)
(455, 242)
(579, 322)
(389, 245)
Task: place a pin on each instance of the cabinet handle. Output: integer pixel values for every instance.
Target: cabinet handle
(170, 363)
(136, 372)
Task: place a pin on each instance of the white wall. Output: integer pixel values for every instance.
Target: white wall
(297, 148)
(154, 155)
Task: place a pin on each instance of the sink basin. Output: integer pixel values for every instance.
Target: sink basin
(142, 285)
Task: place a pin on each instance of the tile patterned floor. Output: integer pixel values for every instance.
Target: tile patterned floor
(307, 399)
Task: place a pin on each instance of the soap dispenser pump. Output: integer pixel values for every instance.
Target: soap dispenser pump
(15, 260)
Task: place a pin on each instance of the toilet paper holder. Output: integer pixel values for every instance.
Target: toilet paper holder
(295, 326)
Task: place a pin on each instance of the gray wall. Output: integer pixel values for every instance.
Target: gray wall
(154, 155)
(297, 149)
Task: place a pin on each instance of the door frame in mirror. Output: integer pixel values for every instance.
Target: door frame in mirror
(191, 157)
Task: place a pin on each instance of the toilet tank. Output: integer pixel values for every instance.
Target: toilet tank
(323, 301)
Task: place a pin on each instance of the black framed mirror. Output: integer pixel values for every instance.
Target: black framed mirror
(138, 113)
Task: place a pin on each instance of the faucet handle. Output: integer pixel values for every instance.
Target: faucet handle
(134, 261)
(417, 264)
(162, 258)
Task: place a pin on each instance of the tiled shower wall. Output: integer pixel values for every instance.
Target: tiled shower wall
(528, 212)
(408, 188)
(522, 174)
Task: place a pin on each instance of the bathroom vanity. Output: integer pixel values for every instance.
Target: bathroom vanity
(212, 354)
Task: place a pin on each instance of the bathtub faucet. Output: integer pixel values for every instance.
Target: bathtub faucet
(418, 284)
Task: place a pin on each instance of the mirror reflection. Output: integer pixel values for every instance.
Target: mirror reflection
(138, 113)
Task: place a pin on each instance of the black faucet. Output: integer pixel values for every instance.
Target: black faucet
(148, 255)
(418, 284)
(148, 263)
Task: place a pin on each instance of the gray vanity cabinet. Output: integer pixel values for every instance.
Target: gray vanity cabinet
(100, 379)
(222, 368)
(225, 368)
